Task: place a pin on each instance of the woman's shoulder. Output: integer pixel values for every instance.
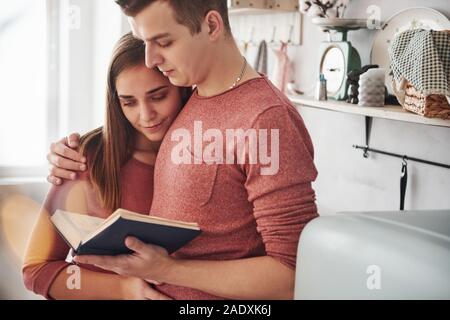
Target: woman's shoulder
(70, 196)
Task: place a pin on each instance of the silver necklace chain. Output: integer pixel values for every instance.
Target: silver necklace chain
(241, 75)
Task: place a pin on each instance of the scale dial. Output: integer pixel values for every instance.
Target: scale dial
(333, 67)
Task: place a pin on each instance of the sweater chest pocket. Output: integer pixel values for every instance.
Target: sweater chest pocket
(194, 183)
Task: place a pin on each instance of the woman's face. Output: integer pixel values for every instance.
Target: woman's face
(148, 101)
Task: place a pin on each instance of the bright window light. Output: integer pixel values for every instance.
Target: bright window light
(23, 83)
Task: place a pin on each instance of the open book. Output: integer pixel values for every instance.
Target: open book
(91, 235)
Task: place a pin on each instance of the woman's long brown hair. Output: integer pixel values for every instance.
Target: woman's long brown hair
(107, 148)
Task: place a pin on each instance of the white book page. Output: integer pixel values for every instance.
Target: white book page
(75, 226)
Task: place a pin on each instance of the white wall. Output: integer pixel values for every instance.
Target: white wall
(76, 69)
(86, 55)
(346, 180)
(108, 27)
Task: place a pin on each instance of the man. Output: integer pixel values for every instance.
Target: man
(251, 212)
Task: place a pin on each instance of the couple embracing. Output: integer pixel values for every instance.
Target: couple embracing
(180, 74)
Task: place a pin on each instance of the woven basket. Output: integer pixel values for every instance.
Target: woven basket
(431, 106)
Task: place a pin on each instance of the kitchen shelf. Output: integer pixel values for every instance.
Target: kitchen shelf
(391, 112)
(256, 11)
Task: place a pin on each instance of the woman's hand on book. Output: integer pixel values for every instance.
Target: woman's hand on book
(138, 289)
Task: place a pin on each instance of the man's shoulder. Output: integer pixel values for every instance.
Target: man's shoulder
(261, 96)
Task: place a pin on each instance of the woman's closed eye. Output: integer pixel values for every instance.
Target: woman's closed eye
(128, 103)
(158, 97)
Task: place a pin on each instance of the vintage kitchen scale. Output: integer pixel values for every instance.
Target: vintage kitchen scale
(337, 58)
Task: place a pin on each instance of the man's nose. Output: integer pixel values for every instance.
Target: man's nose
(152, 57)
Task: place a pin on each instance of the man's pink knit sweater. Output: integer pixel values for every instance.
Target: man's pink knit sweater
(241, 212)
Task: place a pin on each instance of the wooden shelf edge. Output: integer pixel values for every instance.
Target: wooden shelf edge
(390, 112)
(256, 11)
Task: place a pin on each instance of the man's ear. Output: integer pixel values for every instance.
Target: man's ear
(214, 23)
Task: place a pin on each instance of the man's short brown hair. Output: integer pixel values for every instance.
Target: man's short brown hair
(187, 12)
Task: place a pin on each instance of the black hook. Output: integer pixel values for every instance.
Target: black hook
(403, 182)
(404, 160)
(366, 152)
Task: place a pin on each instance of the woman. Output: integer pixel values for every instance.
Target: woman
(141, 106)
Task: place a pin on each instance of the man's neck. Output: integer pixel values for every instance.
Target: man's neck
(224, 72)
